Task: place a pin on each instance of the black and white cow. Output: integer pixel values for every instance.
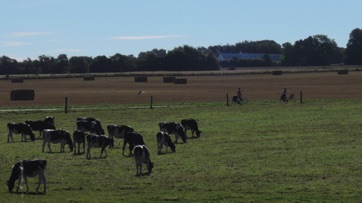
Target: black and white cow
(91, 125)
(25, 169)
(78, 139)
(20, 128)
(142, 156)
(57, 136)
(173, 128)
(163, 138)
(98, 141)
(118, 131)
(191, 124)
(132, 139)
(40, 125)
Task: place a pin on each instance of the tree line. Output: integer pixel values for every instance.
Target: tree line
(317, 50)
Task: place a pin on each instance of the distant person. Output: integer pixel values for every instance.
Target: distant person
(239, 95)
(284, 95)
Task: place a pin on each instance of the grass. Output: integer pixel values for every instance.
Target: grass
(260, 152)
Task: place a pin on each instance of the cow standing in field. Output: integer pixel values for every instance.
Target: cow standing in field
(91, 125)
(142, 156)
(173, 128)
(25, 169)
(20, 128)
(40, 125)
(118, 131)
(98, 141)
(163, 138)
(78, 139)
(132, 139)
(191, 124)
(57, 136)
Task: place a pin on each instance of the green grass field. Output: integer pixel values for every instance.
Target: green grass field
(260, 152)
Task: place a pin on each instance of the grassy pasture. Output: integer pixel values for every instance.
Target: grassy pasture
(261, 152)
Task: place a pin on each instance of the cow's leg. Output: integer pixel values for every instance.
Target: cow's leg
(105, 151)
(10, 135)
(42, 179)
(88, 153)
(101, 152)
(83, 146)
(43, 146)
(124, 146)
(26, 183)
(159, 147)
(19, 182)
(49, 146)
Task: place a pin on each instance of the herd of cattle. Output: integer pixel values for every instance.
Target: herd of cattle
(89, 131)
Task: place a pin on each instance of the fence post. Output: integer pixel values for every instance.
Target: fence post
(66, 105)
(151, 102)
(301, 97)
(227, 99)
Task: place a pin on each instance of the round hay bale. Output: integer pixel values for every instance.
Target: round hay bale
(89, 78)
(180, 81)
(168, 79)
(141, 79)
(342, 72)
(277, 72)
(22, 94)
(17, 80)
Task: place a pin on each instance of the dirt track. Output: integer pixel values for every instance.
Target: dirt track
(123, 90)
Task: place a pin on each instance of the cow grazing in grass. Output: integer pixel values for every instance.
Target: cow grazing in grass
(191, 124)
(20, 128)
(25, 169)
(98, 141)
(78, 139)
(173, 128)
(163, 138)
(40, 125)
(132, 139)
(118, 131)
(91, 125)
(57, 136)
(142, 156)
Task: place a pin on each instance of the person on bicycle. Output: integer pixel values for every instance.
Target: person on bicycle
(240, 96)
(284, 94)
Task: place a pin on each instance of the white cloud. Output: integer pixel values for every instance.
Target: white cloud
(30, 34)
(147, 37)
(15, 44)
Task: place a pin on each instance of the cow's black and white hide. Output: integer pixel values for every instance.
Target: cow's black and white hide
(142, 156)
(163, 138)
(55, 137)
(91, 125)
(98, 141)
(118, 131)
(40, 125)
(20, 128)
(25, 169)
(78, 139)
(132, 139)
(173, 128)
(191, 124)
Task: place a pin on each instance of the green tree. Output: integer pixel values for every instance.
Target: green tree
(353, 54)
(8, 66)
(79, 64)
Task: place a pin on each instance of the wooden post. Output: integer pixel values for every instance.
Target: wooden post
(151, 102)
(227, 99)
(66, 105)
(301, 97)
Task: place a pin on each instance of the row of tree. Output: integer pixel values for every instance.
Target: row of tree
(316, 50)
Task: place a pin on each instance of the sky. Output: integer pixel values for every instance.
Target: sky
(32, 28)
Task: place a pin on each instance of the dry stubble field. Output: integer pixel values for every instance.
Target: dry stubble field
(123, 90)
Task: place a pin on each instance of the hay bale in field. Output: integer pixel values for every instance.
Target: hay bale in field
(89, 78)
(169, 79)
(277, 72)
(180, 81)
(17, 80)
(140, 79)
(22, 94)
(342, 72)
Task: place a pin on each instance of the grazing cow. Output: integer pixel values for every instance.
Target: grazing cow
(173, 128)
(25, 169)
(91, 125)
(78, 138)
(20, 128)
(40, 125)
(191, 124)
(142, 156)
(133, 139)
(98, 141)
(57, 136)
(163, 138)
(118, 131)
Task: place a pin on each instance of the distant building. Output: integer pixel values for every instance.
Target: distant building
(230, 56)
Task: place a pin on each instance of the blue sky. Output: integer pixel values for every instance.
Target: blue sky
(31, 28)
